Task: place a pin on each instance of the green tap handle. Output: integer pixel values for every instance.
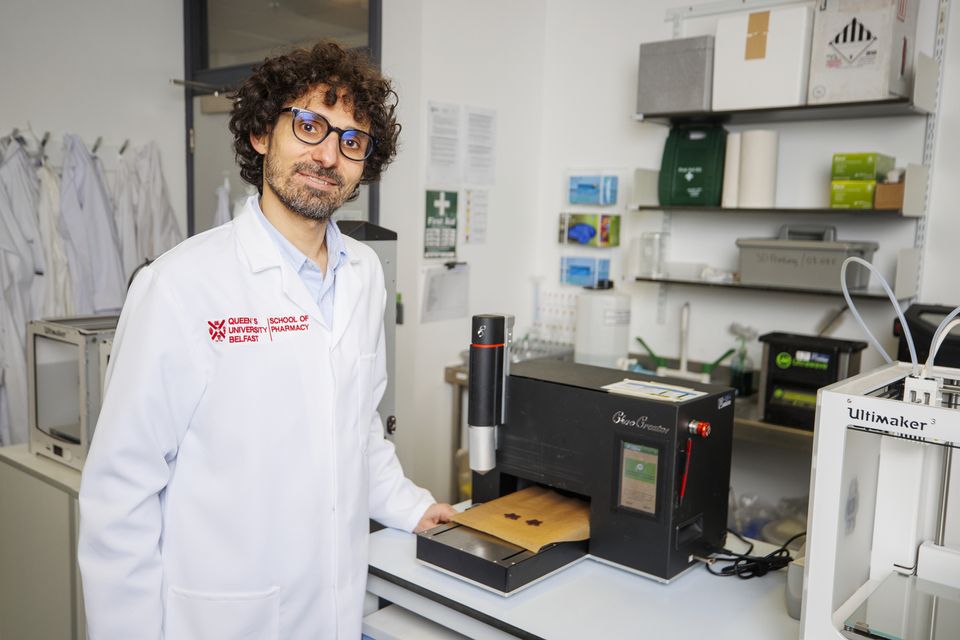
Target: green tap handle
(708, 368)
(660, 362)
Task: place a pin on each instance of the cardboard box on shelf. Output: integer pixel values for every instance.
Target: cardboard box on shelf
(860, 166)
(761, 59)
(862, 50)
(889, 196)
(852, 194)
(675, 75)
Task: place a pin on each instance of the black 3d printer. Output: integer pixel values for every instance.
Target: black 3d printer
(652, 459)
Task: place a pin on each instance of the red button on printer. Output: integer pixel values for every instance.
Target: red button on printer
(699, 428)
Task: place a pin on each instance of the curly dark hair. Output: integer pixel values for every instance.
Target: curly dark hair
(285, 78)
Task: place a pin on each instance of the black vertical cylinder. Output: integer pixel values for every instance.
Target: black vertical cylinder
(485, 381)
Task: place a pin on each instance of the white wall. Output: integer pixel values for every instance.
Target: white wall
(564, 71)
(465, 53)
(99, 68)
(942, 260)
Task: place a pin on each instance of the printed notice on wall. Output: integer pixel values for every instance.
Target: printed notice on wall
(479, 164)
(440, 232)
(443, 143)
(475, 216)
(445, 293)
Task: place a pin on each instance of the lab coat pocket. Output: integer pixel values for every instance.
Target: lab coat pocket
(235, 615)
(365, 408)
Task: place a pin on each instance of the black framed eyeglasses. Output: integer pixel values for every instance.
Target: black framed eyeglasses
(312, 128)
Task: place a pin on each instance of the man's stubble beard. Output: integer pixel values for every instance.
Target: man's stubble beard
(304, 201)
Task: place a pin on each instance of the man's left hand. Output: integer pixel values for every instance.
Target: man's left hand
(437, 513)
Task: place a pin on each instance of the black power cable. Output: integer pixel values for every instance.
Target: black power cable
(745, 566)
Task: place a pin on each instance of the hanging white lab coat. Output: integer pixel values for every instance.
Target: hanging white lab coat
(126, 187)
(90, 234)
(58, 291)
(19, 188)
(240, 203)
(16, 273)
(157, 227)
(238, 454)
(222, 215)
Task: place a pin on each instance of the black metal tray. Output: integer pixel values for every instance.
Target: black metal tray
(490, 562)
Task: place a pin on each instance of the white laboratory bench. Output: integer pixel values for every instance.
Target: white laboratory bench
(40, 595)
(587, 600)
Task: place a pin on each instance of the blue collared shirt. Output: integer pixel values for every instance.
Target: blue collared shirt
(321, 288)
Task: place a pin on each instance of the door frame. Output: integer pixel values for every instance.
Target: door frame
(204, 81)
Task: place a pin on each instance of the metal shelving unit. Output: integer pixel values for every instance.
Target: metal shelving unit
(885, 214)
(922, 103)
(862, 294)
(894, 107)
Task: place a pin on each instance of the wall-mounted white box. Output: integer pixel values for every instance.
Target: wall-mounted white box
(761, 59)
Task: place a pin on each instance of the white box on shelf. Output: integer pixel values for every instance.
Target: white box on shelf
(761, 59)
(915, 190)
(862, 50)
(645, 186)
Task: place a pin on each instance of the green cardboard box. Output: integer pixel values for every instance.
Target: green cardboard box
(860, 166)
(852, 194)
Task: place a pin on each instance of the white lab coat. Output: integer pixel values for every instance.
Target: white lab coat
(19, 193)
(90, 234)
(157, 227)
(17, 279)
(58, 292)
(229, 484)
(125, 188)
(14, 288)
(222, 214)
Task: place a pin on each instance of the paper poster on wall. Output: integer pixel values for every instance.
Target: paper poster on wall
(440, 232)
(445, 293)
(475, 216)
(480, 160)
(443, 143)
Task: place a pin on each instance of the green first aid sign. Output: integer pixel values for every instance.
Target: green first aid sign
(440, 231)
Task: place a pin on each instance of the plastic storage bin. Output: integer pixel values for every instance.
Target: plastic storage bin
(804, 258)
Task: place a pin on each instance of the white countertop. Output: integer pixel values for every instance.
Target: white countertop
(60, 475)
(586, 600)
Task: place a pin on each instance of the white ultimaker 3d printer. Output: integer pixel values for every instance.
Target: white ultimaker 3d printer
(66, 365)
(883, 545)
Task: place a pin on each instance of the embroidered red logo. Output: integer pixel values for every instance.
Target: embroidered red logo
(217, 330)
(237, 329)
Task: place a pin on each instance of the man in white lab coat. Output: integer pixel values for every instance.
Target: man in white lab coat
(238, 454)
